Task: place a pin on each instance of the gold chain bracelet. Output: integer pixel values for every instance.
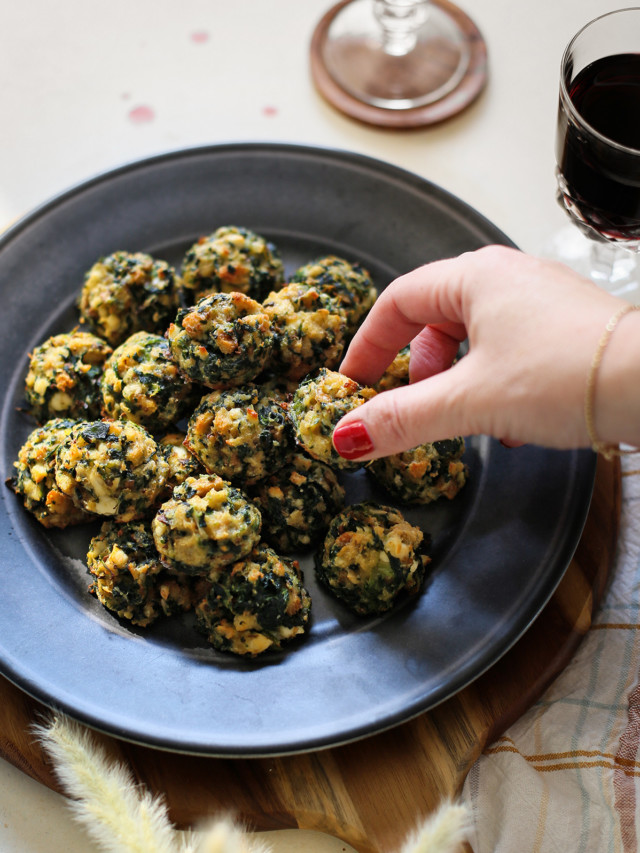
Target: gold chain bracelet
(606, 449)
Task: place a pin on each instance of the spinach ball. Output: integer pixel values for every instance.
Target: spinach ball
(231, 259)
(311, 330)
(225, 339)
(205, 525)
(258, 604)
(63, 380)
(371, 555)
(142, 383)
(111, 468)
(240, 434)
(319, 402)
(129, 578)
(127, 292)
(424, 473)
(349, 283)
(297, 503)
(35, 478)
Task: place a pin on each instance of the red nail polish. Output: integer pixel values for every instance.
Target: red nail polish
(352, 440)
(508, 442)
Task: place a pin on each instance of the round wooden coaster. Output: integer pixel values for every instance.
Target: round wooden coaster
(370, 793)
(465, 91)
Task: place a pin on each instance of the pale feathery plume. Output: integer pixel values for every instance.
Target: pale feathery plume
(225, 836)
(119, 815)
(443, 832)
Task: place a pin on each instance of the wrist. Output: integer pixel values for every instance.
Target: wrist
(612, 403)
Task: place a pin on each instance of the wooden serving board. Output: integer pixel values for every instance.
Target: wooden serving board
(370, 793)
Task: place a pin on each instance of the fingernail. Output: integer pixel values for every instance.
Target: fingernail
(352, 440)
(507, 442)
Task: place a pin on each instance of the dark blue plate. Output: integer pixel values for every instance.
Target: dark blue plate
(499, 549)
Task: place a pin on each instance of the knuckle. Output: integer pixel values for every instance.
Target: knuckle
(496, 254)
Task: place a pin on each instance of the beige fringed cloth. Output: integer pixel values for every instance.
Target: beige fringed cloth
(566, 776)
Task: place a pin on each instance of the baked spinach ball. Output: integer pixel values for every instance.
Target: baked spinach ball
(397, 374)
(240, 434)
(371, 555)
(127, 292)
(259, 603)
(111, 468)
(311, 329)
(129, 578)
(231, 259)
(63, 380)
(423, 474)
(35, 481)
(181, 462)
(141, 383)
(297, 503)
(225, 339)
(349, 283)
(319, 402)
(205, 525)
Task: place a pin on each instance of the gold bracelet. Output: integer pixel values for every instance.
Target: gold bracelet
(607, 450)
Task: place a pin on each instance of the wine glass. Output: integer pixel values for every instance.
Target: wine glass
(598, 150)
(398, 62)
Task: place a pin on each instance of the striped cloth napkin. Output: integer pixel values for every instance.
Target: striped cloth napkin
(566, 776)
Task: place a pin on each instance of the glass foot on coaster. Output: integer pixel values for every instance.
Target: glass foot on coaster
(398, 63)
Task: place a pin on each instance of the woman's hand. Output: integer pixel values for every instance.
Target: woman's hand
(533, 327)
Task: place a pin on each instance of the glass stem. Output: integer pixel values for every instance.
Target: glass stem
(613, 268)
(603, 258)
(400, 21)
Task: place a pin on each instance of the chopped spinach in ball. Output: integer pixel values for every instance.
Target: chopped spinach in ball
(349, 283)
(35, 481)
(111, 468)
(231, 259)
(225, 339)
(258, 604)
(371, 555)
(142, 383)
(64, 377)
(423, 474)
(297, 503)
(240, 434)
(319, 402)
(129, 578)
(127, 292)
(311, 329)
(205, 525)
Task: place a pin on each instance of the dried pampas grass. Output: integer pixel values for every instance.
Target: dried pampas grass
(224, 836)
(121, 816)
(444, 832)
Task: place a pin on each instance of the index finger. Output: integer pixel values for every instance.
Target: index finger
(401, 312)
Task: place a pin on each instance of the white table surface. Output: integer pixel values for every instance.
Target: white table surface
(90, 85)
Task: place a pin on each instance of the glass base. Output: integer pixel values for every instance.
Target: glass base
(356, 59)
(612, 268)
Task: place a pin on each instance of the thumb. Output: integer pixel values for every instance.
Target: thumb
(402, 418)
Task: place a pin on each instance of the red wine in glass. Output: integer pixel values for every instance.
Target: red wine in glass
(598, 148)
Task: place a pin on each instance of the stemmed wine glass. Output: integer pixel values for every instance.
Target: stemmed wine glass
(398, 62)
(598, 150)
